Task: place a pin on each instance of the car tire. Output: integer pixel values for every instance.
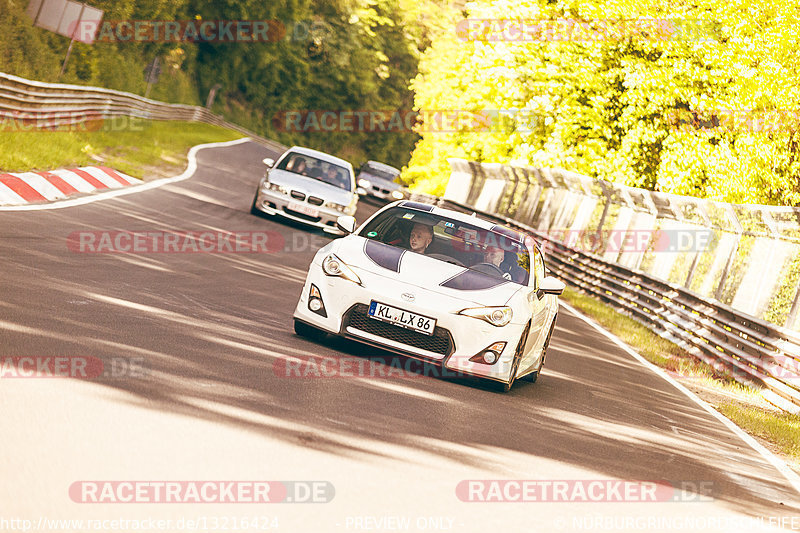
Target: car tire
(309, 332)
(253, 209)
(517, 357)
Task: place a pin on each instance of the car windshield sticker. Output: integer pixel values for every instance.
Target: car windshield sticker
(409, 216)
(449, 225)
(372, 234)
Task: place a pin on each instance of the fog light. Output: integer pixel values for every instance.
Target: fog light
(490, 355)
(315, 301)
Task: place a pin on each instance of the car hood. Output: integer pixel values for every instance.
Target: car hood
(310, 186)
(424, 272)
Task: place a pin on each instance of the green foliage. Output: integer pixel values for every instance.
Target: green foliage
(335, 55)
(617, 108)
(781, 302)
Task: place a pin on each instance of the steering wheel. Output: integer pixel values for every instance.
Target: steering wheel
(446, 259)
(490, 267)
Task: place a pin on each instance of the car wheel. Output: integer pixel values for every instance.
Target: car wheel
(517, 357)
(310, 332)
(533, 376)
(253, 209)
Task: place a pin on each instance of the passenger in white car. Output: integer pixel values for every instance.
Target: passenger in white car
(420, 238)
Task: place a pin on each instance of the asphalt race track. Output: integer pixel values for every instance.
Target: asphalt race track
(209, 334)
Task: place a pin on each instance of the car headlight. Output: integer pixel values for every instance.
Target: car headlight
(268, 186)
(496, 316)
(333, 266)
(397, 195)
(364, 183)
(334, 205)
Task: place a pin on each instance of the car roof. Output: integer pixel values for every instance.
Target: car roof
(381, 166)
(328, 158)
(465, 218)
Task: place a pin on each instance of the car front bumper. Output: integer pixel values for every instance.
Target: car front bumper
(468, 336)
(277, 203)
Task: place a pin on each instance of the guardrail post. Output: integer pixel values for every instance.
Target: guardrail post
(71, 38)
(790, 319)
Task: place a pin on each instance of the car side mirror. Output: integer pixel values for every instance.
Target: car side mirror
(550, 285)
(346, 223)
(269, 162)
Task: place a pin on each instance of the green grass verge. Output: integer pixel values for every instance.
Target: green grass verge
(783, 430)
(652, 347)
(142, 149)
(743, 405)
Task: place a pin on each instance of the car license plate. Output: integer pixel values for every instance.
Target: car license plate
(402, 318)
(304, 208)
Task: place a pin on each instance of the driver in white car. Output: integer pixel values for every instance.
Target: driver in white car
(510, 270)
(494, 256)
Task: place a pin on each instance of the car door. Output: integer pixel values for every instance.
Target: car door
(539, 309)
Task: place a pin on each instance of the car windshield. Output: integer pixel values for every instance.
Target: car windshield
(310, 166)
(380, 172)
(498, 253)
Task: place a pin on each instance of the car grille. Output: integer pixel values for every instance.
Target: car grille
(313, 200)
(441, 342)
(298, 195)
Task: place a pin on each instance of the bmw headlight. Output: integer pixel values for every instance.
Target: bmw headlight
(496, 316)
(364, 183)
(333, 266)
(397, 195)
(333, 205)
(268, 186)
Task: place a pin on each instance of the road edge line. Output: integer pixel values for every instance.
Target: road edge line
(83, 200)
(791, 476)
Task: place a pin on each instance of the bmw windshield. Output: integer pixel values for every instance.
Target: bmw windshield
(309, 166)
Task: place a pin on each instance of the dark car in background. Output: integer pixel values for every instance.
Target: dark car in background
(378, 180)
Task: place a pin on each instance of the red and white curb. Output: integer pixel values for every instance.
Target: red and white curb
(36, 187)
(114, 192)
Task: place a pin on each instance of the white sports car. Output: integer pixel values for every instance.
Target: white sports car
(435, 285)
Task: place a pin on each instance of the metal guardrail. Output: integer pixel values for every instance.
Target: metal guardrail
(750, 350)
(31, 105)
